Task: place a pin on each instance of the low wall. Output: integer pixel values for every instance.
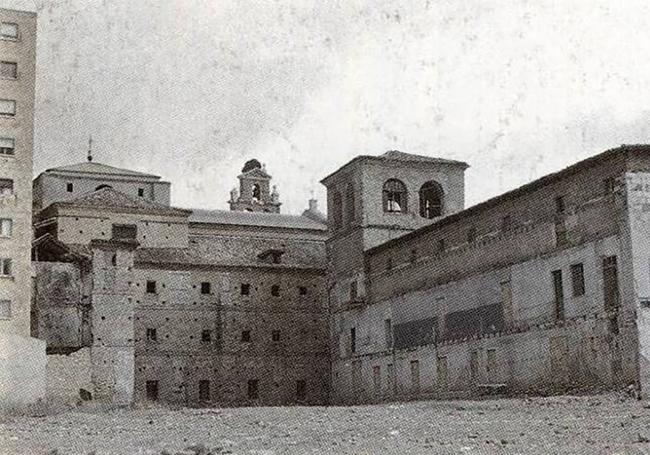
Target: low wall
(67, 375)
(22, 372)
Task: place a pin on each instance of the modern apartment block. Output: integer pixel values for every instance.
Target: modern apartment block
(22, 359)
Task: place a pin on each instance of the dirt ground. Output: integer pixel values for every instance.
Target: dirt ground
(609, 424)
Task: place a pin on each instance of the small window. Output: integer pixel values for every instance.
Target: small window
(206, 336)
(141, 192)
(275, 335)
(9, 30)
(151, 287)
(5, 267)
(8, 70)
(6, 187)
(245, 289)
(578, 279)
(353, 340)
(204, 390)
(302, 290)
(205, 288)
(152, 334)
(246, 336)
(7, 146)
(394, 196)
(5, 309)
(152, 390)
(69, 187)
(275, 290)
(560, 206)
(7, 107)
(6, 226)
(253, 389)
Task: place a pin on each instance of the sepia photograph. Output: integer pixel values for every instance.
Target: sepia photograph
(356, 227)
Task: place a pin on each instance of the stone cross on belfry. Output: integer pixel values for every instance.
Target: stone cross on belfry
(90, 148)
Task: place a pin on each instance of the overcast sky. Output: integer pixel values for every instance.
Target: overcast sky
(191, 89)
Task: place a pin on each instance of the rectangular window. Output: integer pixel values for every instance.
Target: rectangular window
(253, 389)
(578, 279)
(152, 390)
(388, 333)
(141, 192)
(558, 292)
(246, 336)
(151, 287)
(275, 290)
(5, 309)
(302, 290)
(6, 187)
(204, 390)
(5, 267)
(125, 231)
(152, 334)
(6, 226)
(353, 340)
(301, 390)
(7, 107)
(8, 70)
(69, 187)
(206, 336)
(7, 146)
(559, 204)
(275, 335)
(245, 289)
(205, 288)
(9, 30)
(610, 282)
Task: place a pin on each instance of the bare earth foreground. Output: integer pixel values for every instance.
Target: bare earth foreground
(609, 424)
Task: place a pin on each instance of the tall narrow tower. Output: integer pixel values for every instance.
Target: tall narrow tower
(255, 193)
(22, 359)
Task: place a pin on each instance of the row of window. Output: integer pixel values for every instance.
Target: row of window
(152, 388)
(206, 335)
(245, 289)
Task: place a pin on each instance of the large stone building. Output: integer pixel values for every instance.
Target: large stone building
(140, 300)
(22, 359)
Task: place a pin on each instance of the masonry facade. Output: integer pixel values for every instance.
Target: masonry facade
(22, 359)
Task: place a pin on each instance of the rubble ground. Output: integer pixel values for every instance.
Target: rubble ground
(607, 424)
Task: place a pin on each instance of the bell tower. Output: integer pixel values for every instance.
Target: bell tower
(255, 193)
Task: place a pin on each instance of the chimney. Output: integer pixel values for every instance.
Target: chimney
(313, 205)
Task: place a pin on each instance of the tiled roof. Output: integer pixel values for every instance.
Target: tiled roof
(263, 219)
(108, 198)
(89, 167)
(237, 251)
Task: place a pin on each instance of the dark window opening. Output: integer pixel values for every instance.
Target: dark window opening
(125, 231)
(246, 336)
(578, 280)
(257, 192)
(141, 192)
(152, 390)
(302, 290)
(353, 340)
(245, 289)
(560, 206)
(152, 334)
(204, 390)
(205, 288)
(389, 264)
(275, 290)
(206, 336)
(151, 287)
(431, 200)
(275, 335)
(253, 389)
(6, 186)
(301, 390)
(69, 187)
(394, 196)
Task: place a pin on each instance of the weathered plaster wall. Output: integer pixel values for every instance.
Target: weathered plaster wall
(67, 374)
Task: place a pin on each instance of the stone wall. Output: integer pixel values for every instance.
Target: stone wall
(67, 375)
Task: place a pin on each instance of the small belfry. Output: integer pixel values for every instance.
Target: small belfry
(255, 192)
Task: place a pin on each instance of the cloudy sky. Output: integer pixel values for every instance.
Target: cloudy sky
(190, 89)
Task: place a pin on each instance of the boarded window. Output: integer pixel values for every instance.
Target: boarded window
(558, 292)
(301, 390)
(431, 200)
(7, 107)
(7, 146)
(5, 309)
(253, 389)
(205, 288)
(578, 279)
(8, 70)
(610, 282)
(415, 333)
(442, 373)
(475, 321)
(152, 390)
(151, 287)
(394, 196)
(125, 231)
(204, 390)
